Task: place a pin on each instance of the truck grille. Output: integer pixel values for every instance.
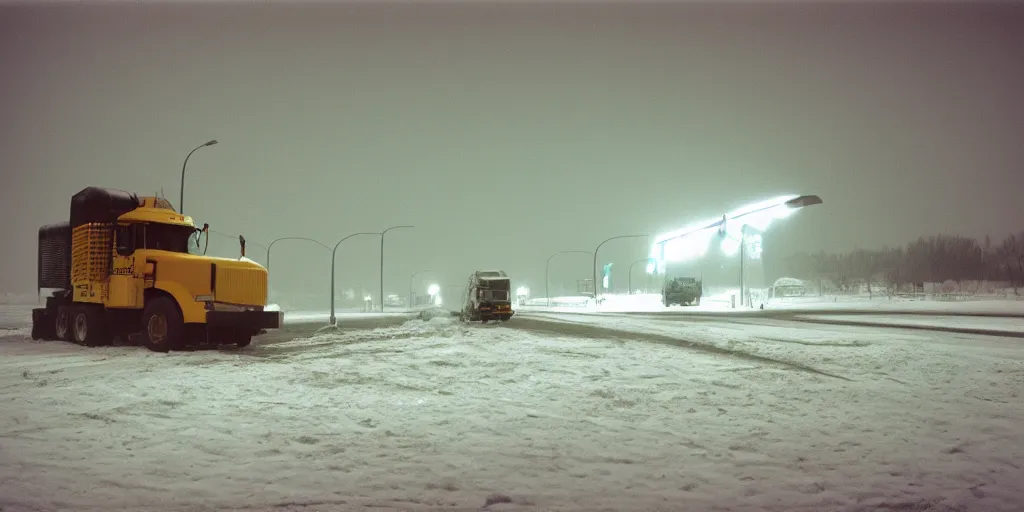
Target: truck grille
(246, 286)
(91, 252)
(55, 256)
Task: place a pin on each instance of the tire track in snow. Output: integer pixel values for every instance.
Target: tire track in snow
(585, 330)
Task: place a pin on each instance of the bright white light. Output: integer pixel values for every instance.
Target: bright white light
(754, 246)
(730, 246)
(522, 291)
(687, 230)
(651, 267)
(368, 298)
(692, 242)
(433, 289)
(689, 247)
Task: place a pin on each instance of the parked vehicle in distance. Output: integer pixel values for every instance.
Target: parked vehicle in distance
(682, 291)
(488, 297)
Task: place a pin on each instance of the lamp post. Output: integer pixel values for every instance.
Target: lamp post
(382, 233)
(321, 244)
(414, 274)
(598, 248)
(181, 195)
(547, 292)
(629, 278)
(334, 252)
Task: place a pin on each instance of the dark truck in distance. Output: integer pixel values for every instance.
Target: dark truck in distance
(488, 297)
(682, 291)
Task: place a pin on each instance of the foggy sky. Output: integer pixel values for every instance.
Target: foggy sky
(506, 133)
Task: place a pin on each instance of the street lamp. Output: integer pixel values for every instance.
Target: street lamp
(547, 292)
(334, 252)
(321, 244)
(413, 276)
(629, 279)
(181, 195)
(599, 248)
(382, 233)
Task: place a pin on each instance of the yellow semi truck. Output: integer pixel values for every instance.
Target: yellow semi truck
(131, 267)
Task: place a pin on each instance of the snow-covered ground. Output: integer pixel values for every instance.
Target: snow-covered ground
(549, 414)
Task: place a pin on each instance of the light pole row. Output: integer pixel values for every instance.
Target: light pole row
(599, 248)
(334, 253)
(547, 265)
(181, 209)
(547, 291)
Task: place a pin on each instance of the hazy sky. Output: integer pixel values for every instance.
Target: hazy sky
(506, 133)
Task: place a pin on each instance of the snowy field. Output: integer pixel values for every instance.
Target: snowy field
(548, 412)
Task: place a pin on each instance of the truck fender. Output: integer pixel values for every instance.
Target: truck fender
(191, 311)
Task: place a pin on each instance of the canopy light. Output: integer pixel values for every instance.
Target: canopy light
(693, 241)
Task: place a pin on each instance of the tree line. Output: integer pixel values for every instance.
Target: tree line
(933, 259)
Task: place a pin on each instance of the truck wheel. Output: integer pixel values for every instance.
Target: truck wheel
(241, 338)
(61, 324)
(42, 326)
(87, 327)
(163, 328)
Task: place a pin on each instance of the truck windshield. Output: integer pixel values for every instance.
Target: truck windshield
(165, 237)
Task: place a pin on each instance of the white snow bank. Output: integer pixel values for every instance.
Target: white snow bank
(297, 317)
(432, 313)
(724, 301)
(989, 306)
(556, 302)
(960, 322)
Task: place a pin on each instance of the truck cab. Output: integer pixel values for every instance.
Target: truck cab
(488, 297)
(130, 266)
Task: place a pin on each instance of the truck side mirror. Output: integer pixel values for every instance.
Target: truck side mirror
(125, 241)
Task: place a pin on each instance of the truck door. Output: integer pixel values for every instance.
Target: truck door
(126, 281)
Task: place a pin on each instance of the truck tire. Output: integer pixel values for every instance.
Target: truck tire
(62, 324)
(241, 338)
(163, 328)
(42, 325)
(88, 326)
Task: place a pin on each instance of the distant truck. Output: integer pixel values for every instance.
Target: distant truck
(682, 291)
(130, 266)
(488, 297)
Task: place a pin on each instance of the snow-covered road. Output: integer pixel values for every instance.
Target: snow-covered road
(549, 412)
